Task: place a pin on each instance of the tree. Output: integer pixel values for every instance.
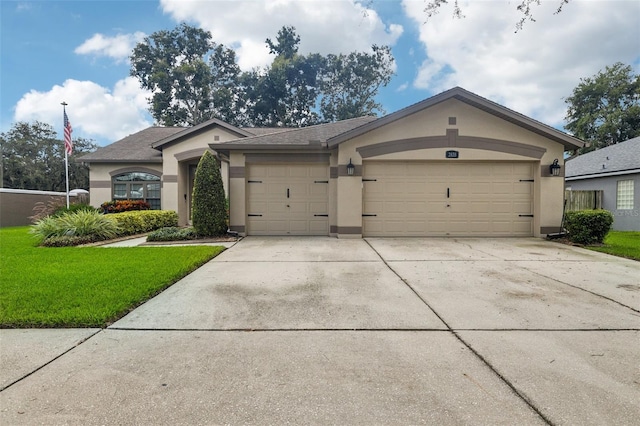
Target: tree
(33, 158)
(298, 90)
(209, 212)
(191, 78)
(285, 94)
(351, 82)
(605, 109)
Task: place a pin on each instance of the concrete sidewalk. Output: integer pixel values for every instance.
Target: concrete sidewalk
(378, 331)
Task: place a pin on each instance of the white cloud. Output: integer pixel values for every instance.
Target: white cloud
(118, 47)
(95, 112)
(533, 70)
(336, 26)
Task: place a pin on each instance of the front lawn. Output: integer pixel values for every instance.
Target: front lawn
(84, 286)
(621, 243)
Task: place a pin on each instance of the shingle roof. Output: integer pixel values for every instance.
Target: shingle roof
(133, 148)
(303, 136)
(623, 156)
(142, 146)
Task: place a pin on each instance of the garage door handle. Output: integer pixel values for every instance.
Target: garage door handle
(321, 215)
(525, 215)
(254, 215)
(448, 192)
(369, 215)
(287, 192)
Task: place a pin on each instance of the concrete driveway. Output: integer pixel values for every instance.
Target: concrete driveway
(376, 331)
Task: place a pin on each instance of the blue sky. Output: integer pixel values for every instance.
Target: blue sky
(76, 51)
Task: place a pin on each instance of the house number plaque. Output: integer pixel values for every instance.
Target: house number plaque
(451, 154)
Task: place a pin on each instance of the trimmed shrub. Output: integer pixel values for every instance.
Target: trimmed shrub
(120, 206)
(77, 224)
(588, 226)
(208, 209)
(172, 234)
(139, 222)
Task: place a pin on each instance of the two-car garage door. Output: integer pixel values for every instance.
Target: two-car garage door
(288, 199)
(420, 198)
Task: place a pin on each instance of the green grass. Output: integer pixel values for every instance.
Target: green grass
(84, 286)
(621, 243)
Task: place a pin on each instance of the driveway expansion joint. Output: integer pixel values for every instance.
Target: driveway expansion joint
(495, 371)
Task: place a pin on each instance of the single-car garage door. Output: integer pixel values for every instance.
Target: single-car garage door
(422, 198)
(288, 199)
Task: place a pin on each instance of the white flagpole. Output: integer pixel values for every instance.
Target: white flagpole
(66, 157)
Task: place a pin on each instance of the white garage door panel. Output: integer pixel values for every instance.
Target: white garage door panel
(410, 199)
(287, 199)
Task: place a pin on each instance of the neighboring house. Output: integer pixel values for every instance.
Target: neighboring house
(614, 170)
(455, 164)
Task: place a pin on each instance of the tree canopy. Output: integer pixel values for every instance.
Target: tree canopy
(605, 109)
(193, 80)
(33, 158)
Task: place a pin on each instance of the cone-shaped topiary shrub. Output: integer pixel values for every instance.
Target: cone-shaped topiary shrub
(208, 211)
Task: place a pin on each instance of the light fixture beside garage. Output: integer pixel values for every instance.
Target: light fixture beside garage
(350, 168)
(554, 168)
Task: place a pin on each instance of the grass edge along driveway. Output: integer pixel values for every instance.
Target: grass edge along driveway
(84, 286)
(621, 243)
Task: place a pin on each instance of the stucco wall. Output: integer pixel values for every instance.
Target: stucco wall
(177, 157)
(100, 175)
(624, 220)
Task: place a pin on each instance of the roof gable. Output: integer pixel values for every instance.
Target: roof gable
(621, 157)
(200, 128)
(569, 142)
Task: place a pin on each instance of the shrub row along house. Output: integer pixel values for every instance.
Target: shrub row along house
(455, 164)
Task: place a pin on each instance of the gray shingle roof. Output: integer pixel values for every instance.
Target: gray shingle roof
(138, 147)
(623, 156)
(311, 136)
(133, 148)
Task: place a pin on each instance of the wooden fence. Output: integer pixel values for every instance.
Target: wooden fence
(582, 200)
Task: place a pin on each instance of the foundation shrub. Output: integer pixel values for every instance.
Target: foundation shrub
(120, 206)
(588, 226)
(172, 234)
(139, 222)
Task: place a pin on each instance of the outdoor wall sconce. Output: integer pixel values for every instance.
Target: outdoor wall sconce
(350, 168)
(554, 168)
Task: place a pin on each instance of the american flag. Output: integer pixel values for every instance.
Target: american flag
(68, 144)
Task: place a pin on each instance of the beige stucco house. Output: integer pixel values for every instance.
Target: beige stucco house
(455, 164)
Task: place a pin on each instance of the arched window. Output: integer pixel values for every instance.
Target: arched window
(137, 186)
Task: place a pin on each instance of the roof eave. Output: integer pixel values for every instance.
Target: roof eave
(267, 147)
(146, 160)
(605, 174)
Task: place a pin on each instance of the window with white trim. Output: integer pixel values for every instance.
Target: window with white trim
(624, 197)
(137, 186)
